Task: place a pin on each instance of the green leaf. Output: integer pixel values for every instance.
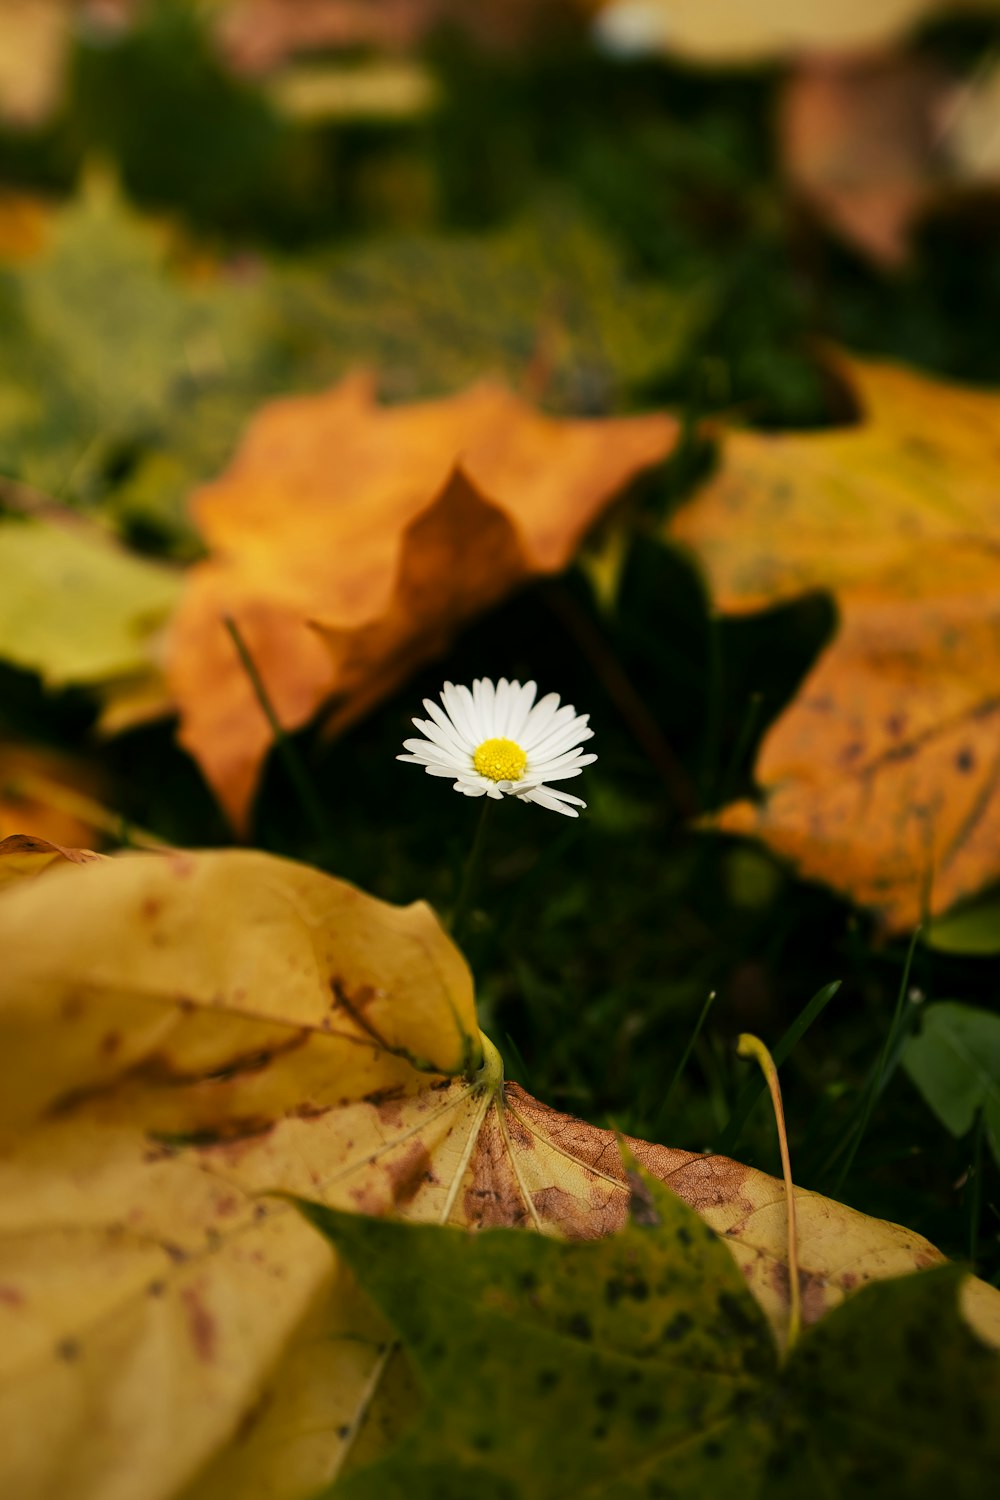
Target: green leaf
(106, 345)
(973, 929)
(75, 607)
(955, 1063)
(548, 303)
(640, 1366)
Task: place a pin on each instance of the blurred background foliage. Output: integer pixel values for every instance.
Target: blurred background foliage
(190, 224)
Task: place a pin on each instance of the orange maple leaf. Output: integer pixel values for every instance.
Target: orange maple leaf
(881, 778)
(350, 540)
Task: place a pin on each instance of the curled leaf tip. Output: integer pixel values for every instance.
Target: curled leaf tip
(749, 1045)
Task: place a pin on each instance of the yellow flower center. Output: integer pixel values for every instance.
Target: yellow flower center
(500, 760)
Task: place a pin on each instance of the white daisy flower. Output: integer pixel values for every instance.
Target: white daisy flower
(497, 741)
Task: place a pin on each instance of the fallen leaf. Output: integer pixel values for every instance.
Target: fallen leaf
(257, 35)
(641, 1366)
(77, 608)
(23, 854)
(23, 223)
(400, 90)
(107, 345)
(731, 31)
(954, 1061)
(47, 793)
(880, 778)
(548, 303)
(349, 541)
(860, 142)
(873, 143)
(34, 44)
(183, 1036)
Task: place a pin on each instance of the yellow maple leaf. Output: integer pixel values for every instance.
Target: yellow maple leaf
(349, 541)
(880, 778)
(184, 1037)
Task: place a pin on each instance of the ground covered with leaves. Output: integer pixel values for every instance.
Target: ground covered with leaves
(351, 349)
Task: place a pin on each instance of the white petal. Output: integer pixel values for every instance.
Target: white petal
(556, 767)
(552, 803)
(447, 734)
(561, 740)
(502, 707)
(523, 699)
(556, 794)
(458, 701)
(442, 749)
(473, 778)
(484, 697)
(431, 750)
(539, 721)
(557, 724)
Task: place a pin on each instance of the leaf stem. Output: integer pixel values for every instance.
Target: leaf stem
(312, 804)
(63, 799)
(752, 1046)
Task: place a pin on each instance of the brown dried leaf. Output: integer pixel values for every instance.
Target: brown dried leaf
(861, 144)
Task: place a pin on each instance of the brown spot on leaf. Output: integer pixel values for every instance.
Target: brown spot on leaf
(10, 1296)
(252, 1416)
(68, 1350)
(387, 1103)
(201, 1324)
(409, 1172)
(555, 1206)
(815, 1297)
(493, 1197)
(151, 907)
(642, 1209)
(110, 1043)
(308, 1111)
(521, 1137)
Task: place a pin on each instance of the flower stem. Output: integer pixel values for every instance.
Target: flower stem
(751, 1046)
(462, 909)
